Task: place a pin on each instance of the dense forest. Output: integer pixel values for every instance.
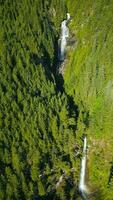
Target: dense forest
(44, 115)
(37, 121)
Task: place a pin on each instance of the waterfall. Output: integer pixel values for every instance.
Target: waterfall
(63, 38)
(82, 185)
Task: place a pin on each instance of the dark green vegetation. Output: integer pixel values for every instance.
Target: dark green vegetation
(89, 79)
(37, 123)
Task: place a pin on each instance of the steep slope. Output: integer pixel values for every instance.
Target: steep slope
(89, 79)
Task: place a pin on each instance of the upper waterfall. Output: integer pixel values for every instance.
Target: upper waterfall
(63, 38)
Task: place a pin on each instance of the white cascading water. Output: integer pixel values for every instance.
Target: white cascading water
(82, 185)
(64, 36)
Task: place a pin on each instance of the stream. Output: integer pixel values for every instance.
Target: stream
(62, 53)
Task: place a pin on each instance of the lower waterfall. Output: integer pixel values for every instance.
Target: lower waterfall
(82, 185)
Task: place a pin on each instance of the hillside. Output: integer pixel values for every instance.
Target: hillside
(89, 79)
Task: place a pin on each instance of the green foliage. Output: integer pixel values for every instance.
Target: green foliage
(37, 129)
(88, 78)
